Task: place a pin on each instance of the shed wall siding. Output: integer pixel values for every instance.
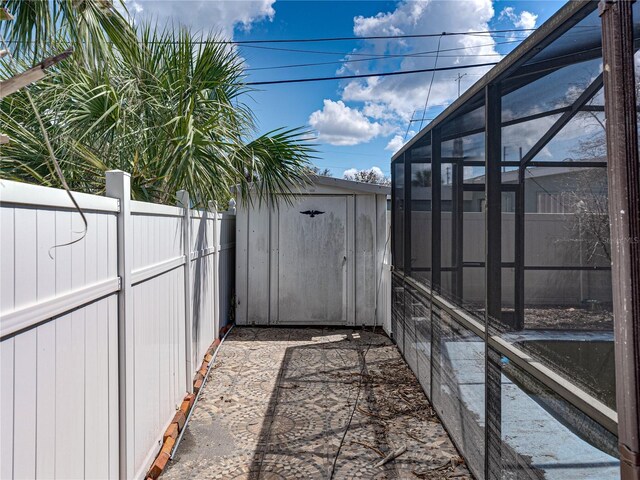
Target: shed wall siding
(262, 234)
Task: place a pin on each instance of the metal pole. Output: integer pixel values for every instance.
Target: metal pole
(519, 253)
(493, 224)
(624, 211)
(394, 205)
(457, 219)
(436, 210)
(493, 282)
(407, 213)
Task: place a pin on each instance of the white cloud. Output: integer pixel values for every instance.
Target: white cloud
(395, 143)
(350, 174)
(379, 111)
(339, 124)
(134, 7)
(525, 20)
(383, 106)
(399, 96)
(205, 15)
(377, 171)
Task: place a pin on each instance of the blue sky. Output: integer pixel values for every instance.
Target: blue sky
(359, 123)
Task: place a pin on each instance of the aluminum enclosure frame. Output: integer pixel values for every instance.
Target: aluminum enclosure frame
(487, 93)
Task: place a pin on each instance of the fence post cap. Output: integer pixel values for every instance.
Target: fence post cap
(183, 199)
(122, 172)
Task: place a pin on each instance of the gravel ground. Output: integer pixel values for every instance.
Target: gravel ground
(285, 403)
(565, 318)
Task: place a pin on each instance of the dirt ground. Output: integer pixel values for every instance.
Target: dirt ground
(547, 317)
(285, 403)
(567, 318)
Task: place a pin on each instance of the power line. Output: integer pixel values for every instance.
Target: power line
(423, 54)
(252, 43)
(433, 75)
(487, 33)
(297, 50)
(376, 37)
(382, 74)
(408, 127)
(389, 55)
(369, 57)
(277, 67)
(302, 50)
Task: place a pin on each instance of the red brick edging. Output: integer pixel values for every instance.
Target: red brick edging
(177, 424)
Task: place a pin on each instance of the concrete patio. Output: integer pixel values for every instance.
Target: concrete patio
(284, 403)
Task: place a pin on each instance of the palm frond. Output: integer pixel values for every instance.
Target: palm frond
(167, 108)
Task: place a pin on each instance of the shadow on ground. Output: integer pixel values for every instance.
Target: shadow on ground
(287, 403)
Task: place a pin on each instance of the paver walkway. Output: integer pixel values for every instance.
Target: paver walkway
(285, 403)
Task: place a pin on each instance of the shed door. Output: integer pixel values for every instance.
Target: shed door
(312, 261)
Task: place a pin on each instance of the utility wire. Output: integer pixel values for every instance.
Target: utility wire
(278, 67)
(368, 75)
(368, 56)
(433, 75)
(389, 55)
(409, 126)
(318, 52)
(252, 43)
(52, 156)
(423, 54)
(391, 37)
(376, 37)
(300, 50)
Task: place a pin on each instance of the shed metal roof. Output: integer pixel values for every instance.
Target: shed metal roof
(351, 185)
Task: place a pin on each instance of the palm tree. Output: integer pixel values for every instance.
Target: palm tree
(167, 108)
(90, 27)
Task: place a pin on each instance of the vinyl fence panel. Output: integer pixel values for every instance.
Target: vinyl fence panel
(84, 391)
(158, 312)
(58, 413)
(203, 249)
(225, 268)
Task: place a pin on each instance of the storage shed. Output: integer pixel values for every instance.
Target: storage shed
(316, 260)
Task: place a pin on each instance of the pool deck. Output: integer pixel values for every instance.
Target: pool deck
(295, 403)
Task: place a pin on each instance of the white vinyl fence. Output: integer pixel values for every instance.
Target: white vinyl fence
(100, 339)
(551, 241)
